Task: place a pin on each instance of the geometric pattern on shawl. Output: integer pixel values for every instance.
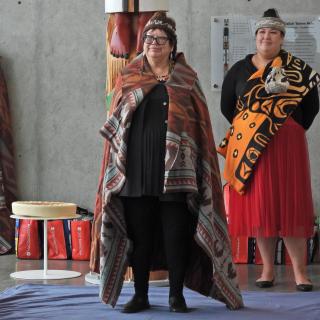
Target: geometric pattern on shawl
(259, 115)
(8, 188)
(191, 166)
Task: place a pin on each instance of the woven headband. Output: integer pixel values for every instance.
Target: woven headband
(160, 23)
(271, 22)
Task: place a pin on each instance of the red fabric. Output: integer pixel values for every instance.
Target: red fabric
(56, 240)
(28, 242)
(8, 187)
(239, 245)
(278, 201)
(80, 239)
(240, 249)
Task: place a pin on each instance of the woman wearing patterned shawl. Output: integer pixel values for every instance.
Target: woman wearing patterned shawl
(270, 98)
(163, 206)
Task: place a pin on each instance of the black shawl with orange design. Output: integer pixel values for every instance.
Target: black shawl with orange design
(191, 166)
(259, 115)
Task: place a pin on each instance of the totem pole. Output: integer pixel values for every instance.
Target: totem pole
(125, 23)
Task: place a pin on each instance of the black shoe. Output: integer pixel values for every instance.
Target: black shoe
(304, 287)
(177, 304)
(265, 284)
(136, 304)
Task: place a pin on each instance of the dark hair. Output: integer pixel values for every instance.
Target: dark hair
(160, 21)
(271, 13)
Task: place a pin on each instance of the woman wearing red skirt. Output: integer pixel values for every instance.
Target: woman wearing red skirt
(270, 98)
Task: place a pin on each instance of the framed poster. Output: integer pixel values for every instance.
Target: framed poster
(233, 37)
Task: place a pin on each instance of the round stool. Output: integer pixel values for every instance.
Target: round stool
(32, 211)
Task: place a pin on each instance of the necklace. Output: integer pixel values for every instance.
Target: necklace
(165, 77)
(162, 78)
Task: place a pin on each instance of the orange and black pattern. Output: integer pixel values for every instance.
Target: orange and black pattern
(260, 115)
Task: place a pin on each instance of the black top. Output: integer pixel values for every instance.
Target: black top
(146, 148)
(234, 84)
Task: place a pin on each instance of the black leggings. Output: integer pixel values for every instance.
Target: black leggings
(142, 214)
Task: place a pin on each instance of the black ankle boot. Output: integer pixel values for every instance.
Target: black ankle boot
(177, 304)
(136, 304)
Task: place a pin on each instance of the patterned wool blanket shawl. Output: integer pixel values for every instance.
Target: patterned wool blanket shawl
(259, 114)
(191, 166)
(8, 189)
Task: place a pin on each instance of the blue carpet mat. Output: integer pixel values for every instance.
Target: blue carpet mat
(30, 301)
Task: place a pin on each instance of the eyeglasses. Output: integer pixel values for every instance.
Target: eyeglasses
(148, 39)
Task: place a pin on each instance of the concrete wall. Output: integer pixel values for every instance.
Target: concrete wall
(54, 62)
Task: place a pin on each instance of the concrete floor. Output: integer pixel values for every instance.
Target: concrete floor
(246, 274)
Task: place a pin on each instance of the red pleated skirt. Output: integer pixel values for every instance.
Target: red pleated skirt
(278, 198)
